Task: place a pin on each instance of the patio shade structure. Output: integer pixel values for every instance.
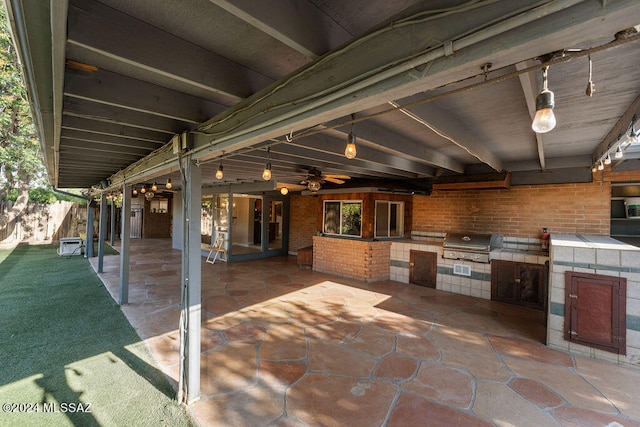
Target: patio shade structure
(125, 92)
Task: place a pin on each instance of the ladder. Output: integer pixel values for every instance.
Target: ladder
(218, 250)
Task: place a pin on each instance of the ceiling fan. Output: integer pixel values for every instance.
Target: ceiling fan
(315, 178)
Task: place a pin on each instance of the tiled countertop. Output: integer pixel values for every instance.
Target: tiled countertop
(591, 241)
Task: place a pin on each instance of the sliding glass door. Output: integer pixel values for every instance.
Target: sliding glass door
(254, 226)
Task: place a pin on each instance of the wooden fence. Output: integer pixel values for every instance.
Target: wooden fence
(41, 223)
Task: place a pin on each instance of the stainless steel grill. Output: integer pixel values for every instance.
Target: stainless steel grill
(467, 246)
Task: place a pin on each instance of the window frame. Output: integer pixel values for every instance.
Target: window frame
(160, 201)
(400, 216)
(341, 202)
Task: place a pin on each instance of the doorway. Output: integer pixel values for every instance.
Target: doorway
(253, 226)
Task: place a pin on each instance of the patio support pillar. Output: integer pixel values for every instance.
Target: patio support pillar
(125, 238)
(102, 234)
(112, 237)
(88, 250)
(190, 315)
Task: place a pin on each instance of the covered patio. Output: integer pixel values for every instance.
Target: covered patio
(288, 346)
(178, 100)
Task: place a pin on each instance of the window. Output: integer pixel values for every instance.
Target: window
(159, 205)
(389, 219)
(343, 218)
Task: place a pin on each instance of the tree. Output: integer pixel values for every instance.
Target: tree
(21, 165)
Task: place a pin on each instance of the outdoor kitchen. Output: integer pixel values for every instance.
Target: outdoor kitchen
(463, 262)
(506, 245)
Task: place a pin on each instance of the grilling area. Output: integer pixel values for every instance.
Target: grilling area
(468, 246)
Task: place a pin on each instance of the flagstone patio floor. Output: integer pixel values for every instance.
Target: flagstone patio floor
(285, 346)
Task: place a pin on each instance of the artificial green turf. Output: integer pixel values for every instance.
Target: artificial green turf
(64, 340)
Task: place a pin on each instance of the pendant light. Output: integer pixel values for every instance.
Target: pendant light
(619, 153)
(143, 189)
(169, 184)
(266, 174)
(220, 171)
(607, 160)
(544, 120)
(314, 186)
(601, 166)
(154, 187)
(633, 135)
(284, 191)
(135, 191)
(350, 151)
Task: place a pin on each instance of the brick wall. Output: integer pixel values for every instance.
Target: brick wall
(303, 221)
(521, 211)
(368, 261)
(607, 175)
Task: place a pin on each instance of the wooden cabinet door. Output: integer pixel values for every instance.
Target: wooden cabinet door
(503, 281)
(532, 285)
(595, 311)
(519, 283)
(423, 268)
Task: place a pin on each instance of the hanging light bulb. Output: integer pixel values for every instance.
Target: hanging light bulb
(544, 120)
(143, 189)
(169, 184)
(135, 191)
(350, 150)
(633, 135)
(220, 172)
(619, 153)
(266, 174)
(594, 169)
(284, 191)
(154, 187)
(607, 160)
(601, 166)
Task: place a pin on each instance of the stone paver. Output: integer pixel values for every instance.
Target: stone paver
(471, 351)
(396, 367)
(451, 386)
(328, 400)
(620, 386)
(504, 407)
(412, 410)
(564, 382)
(536, 393)
(290, 347)
(524, 349)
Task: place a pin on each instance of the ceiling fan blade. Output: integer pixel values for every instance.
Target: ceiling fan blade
(334, 180)
(337, 176)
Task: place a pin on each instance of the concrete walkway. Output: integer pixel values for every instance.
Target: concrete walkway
(283, 346)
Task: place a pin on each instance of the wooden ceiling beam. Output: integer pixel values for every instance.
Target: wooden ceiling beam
(116, 36)
(300, 25)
